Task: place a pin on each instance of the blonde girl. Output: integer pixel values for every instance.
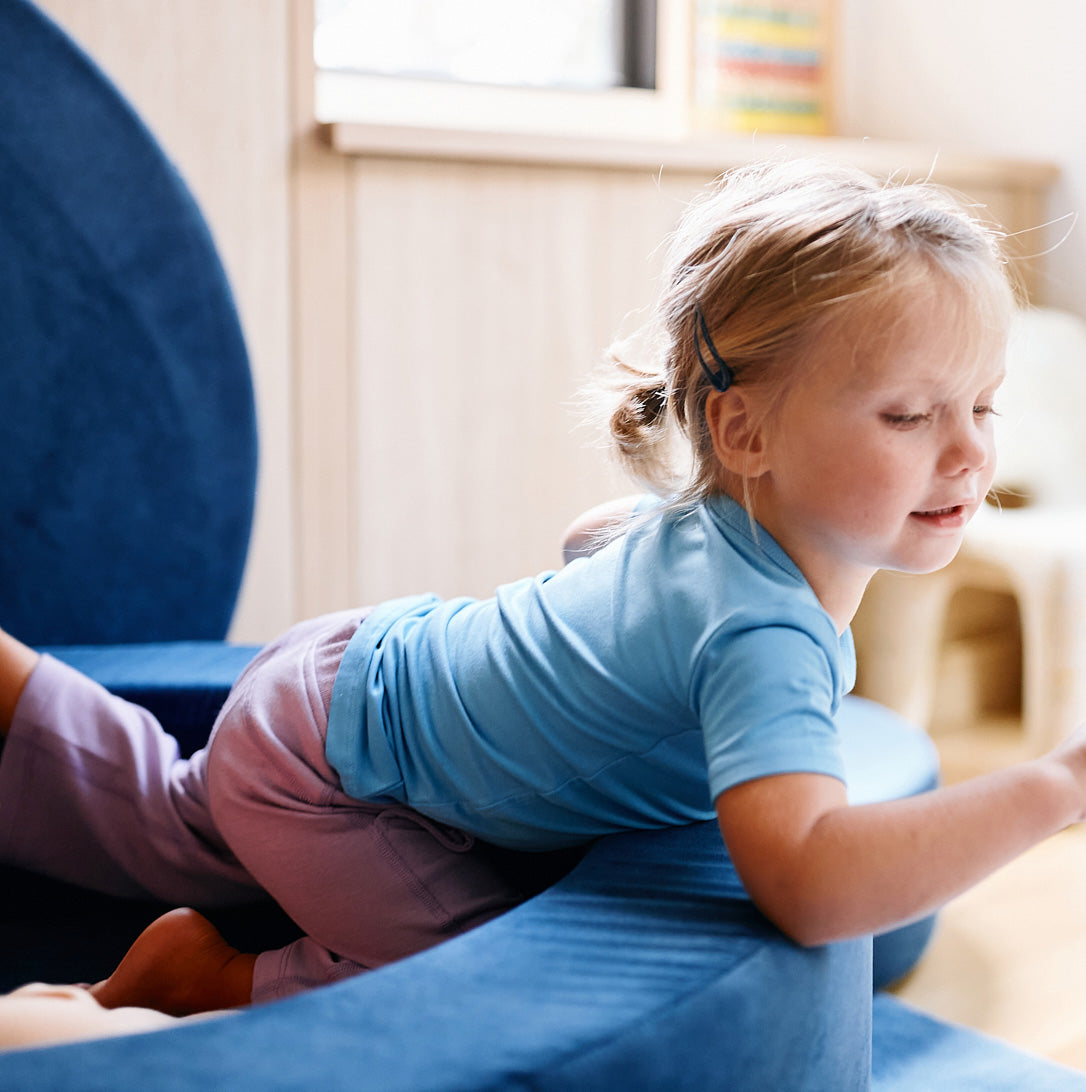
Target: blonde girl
(828, 349)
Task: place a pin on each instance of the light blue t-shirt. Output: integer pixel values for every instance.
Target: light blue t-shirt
(625, 691)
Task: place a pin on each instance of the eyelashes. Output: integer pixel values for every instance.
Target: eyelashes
(906, 420)
(913, 420)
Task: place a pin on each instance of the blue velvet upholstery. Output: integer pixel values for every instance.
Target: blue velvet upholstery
(646, 969)
(915, 1053)
(127, 471)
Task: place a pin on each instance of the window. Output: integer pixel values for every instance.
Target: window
(569, 44)
(590, 67)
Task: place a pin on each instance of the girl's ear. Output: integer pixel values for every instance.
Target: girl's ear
(739, 434)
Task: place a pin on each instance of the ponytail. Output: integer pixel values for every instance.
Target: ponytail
(640, 425)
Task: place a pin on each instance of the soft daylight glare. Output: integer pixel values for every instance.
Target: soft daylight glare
(560, 43)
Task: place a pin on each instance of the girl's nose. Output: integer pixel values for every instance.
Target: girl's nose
(968, 449)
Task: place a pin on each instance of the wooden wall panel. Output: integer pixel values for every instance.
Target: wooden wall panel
(485, 297)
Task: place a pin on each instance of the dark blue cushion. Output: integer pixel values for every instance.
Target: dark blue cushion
(128, 465)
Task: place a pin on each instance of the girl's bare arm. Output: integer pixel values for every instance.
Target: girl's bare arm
(822, 870)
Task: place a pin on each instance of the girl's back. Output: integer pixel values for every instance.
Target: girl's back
(584, 701)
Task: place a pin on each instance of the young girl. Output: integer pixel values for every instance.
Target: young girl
(830, 349)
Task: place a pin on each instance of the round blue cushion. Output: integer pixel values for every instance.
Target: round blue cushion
(887, 758)
(127, 473)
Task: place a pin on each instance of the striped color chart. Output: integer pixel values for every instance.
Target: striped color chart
(762, 66)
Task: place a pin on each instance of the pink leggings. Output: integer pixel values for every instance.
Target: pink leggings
(93, 791)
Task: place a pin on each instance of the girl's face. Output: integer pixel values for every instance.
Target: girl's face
(880, 454)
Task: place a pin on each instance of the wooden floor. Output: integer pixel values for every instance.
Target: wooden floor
(1009, 957)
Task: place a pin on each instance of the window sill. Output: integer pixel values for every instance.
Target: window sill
(700, 153)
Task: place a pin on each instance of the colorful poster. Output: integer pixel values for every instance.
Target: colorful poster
(763, 66)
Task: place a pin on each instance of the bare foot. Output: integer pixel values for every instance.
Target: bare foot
(179, 965)
(17, 662)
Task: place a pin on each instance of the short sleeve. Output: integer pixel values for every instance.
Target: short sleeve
(766, 698)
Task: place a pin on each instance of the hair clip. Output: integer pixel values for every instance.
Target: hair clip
(722, 379)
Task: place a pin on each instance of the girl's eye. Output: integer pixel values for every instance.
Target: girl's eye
(905, 420)
(985, 411)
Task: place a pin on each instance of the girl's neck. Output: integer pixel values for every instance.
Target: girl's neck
(839, 589)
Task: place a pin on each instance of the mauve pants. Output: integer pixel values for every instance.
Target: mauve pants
(93, 791)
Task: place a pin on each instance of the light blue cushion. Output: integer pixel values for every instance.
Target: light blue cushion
(887, 758)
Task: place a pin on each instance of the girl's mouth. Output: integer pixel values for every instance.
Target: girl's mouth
(950, 516)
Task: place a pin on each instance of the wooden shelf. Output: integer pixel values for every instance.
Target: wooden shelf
(700, 154)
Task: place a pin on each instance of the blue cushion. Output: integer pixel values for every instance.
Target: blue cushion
(887, 758)
(646, 969)
(913, 1052)
(128, 466)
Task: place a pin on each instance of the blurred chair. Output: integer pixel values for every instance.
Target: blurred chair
(1028, 555)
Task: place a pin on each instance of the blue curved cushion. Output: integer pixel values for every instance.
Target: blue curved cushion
(646, 969)
(887, 758)
(127, 472)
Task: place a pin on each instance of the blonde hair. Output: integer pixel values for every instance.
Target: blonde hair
(772, 256)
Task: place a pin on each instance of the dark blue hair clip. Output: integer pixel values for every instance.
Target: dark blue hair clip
(723, 378)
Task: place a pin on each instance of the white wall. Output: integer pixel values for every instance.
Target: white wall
(994, 76)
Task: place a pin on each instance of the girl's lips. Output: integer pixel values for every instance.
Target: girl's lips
(953, 516)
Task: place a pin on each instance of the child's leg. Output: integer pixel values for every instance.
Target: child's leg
(368, 884)
(395, 889)
(92, 791)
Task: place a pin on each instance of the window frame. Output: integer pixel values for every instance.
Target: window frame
(651, 113)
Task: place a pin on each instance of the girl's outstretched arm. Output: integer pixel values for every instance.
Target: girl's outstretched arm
(822, 870)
